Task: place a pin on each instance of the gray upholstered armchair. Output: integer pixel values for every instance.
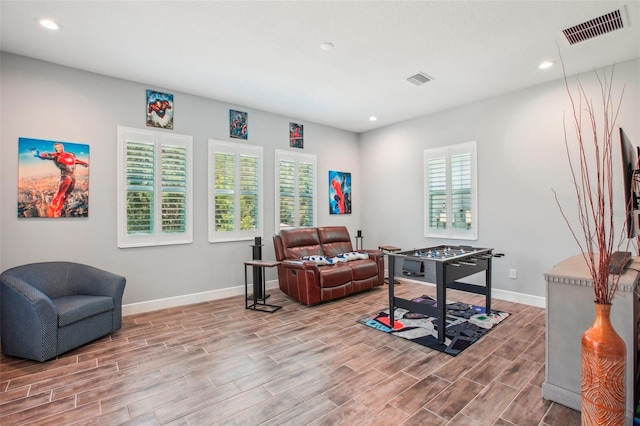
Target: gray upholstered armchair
(49, 308)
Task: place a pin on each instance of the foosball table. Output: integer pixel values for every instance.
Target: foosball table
(443, 266)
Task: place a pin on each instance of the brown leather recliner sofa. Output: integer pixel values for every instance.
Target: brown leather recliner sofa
(310, 283)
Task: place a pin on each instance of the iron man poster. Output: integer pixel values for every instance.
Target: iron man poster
(53, 179)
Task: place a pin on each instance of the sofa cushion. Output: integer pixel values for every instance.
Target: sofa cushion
(335, 240)
(75, 308)
(301, 242)
(363, 269)
(335, 275)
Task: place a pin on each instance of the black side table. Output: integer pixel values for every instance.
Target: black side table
(385, 250)
(258, 286)
(359, 242)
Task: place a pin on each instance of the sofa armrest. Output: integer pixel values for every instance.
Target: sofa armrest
(373, 254)
(299, 264)
(26, 311)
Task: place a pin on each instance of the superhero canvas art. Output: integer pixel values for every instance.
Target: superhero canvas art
(53, 178)
(238, 125)
(339, 192)
(159, 110)
(296, 135)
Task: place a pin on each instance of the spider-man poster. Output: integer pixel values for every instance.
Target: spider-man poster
(53, 178)
(238, 127)
(339, 192)
(159, 110)
(296, 135)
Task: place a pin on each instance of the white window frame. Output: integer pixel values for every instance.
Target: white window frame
(296, 158)
(157, 237)
(237, 150)
(471, 232)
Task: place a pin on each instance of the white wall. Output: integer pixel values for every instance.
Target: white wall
(521, 157)
(45, 101)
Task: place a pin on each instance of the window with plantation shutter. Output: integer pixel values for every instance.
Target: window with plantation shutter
(235, 191)
(295, 189)
(451, 207)
(154, 188)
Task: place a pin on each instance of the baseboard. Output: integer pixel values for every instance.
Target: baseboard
(573, 400)
(561, 396)
(187, 299)
(525, 299)
(508, 296)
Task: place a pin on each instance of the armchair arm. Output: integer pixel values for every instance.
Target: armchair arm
(92, 281)
(26, 311)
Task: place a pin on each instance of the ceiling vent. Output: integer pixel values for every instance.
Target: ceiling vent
(613, 21)
(419, 79)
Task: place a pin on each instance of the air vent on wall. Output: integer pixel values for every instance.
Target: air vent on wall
(419, 79)
(596, 27)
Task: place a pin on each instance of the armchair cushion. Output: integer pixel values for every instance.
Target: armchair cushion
(74, 308)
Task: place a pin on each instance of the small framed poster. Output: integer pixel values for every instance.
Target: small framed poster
(159, 110)
(238, 125)
(296, 135)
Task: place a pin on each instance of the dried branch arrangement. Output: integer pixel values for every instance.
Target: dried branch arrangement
(592, 178)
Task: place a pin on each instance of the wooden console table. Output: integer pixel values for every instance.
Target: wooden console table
(570, 312)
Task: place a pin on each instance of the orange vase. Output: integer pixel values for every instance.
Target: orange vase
(603, 372)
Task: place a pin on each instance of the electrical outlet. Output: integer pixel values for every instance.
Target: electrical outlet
(513, 273)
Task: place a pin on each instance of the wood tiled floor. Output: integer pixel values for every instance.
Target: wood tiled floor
(217, 363)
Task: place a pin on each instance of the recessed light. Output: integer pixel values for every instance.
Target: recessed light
(49, 24)
(326, 45)
(373, 118)
(546, 64)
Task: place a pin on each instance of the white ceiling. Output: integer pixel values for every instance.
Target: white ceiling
(266, 55)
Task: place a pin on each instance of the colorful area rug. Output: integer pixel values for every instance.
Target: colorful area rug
(465, 324)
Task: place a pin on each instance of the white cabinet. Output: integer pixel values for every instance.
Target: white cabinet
(570, 312)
